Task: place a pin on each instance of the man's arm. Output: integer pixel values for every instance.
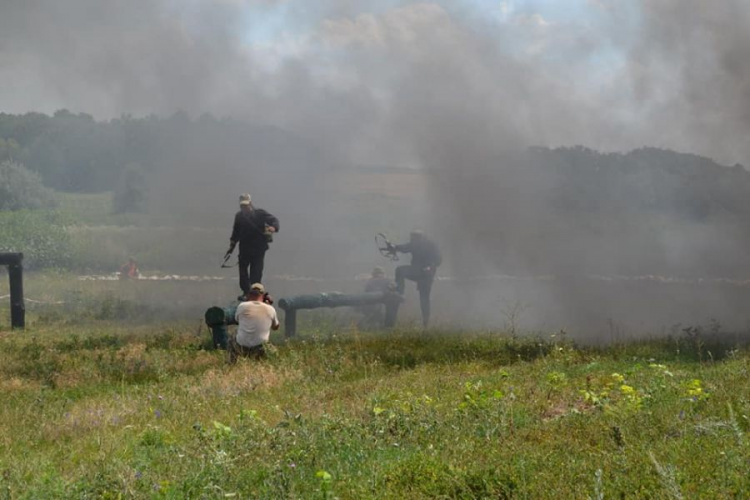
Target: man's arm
(275, 321)
(270, 221)
(234, 238)
(405, 248)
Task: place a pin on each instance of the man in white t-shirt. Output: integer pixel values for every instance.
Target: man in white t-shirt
(255, 320)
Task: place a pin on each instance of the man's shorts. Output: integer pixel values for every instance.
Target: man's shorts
(236, 351)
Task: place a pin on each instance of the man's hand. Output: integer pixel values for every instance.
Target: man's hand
(270, 229)
(427, 269)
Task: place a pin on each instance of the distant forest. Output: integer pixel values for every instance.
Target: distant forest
(75, 153)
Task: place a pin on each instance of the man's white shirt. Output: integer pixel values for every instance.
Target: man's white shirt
(254, 319)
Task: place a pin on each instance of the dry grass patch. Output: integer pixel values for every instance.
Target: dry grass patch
(19, 384)
(245, 377)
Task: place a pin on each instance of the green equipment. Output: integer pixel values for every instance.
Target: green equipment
(291, 305)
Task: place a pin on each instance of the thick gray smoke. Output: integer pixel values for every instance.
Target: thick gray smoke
(457, 90)
(392, 81)
(691, 73)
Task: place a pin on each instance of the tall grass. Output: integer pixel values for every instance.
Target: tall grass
(106, 410)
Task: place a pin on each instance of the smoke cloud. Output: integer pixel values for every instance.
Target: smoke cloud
(458, 91)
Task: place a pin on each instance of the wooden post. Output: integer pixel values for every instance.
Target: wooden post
(14, 261)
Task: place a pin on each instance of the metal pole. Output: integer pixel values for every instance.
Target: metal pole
(14, 261)
(290, 322)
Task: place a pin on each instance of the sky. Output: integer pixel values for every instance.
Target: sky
(608, 74)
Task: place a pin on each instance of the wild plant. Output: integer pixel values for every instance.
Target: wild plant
(667, 478)
(598, 487)
(325, 484)
(614, 396)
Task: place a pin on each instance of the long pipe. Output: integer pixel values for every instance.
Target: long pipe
(217, 318)
(291, 305)
(14, 261)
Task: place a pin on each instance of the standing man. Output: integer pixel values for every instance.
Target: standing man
(255, 320)
(253, 229)
(425, 259)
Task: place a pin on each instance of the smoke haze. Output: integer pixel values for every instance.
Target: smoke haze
(458, 90)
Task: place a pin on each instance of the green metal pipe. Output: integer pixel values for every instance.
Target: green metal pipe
(291, 305)
(335, 299)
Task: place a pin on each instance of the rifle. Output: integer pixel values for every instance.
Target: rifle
(226, 259)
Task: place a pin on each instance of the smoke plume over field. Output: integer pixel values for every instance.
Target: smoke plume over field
(458, 89)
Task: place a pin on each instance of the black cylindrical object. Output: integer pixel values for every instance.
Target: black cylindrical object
(14, 261)
(217, 319)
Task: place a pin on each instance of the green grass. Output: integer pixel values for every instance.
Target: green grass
(107, 411)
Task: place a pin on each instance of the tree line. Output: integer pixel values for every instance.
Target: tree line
(76, 153)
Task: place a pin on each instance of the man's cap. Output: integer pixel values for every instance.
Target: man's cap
(244, 199)
(378, 271)
(258, 288)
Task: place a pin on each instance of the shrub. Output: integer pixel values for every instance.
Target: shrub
(41, 236)
(20, 188)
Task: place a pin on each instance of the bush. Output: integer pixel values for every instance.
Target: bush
(20, 188)
(41, 236)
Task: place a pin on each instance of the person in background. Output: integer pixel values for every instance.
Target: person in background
(253, 229)
(255, 320)
(425, 259)
(378, 282)
(373, 314)
(129, 270)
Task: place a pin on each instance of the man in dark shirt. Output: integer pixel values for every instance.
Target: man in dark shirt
(425, 259)
(253, 229)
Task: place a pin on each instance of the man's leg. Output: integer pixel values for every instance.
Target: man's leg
(244, 261)
(256, 268)
(402, 273)
(424, 286)
(232, 350)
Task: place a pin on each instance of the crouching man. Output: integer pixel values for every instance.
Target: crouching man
(255, 320)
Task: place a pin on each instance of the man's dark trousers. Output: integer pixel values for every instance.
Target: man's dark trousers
(424, 285)
(255, 263)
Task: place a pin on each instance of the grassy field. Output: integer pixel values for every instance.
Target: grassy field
(113, 391)
(100, 410)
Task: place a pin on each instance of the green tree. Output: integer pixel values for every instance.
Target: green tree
(21, 188)
(9, 149)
